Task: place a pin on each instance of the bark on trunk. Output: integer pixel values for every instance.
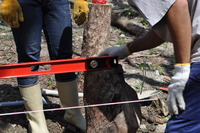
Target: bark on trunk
(106, 86)
(97, 30)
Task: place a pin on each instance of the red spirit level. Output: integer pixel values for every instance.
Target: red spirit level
(58, 66)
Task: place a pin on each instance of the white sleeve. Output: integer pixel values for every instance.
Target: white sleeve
(152, 10)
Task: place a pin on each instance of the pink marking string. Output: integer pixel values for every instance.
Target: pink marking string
(77, 107)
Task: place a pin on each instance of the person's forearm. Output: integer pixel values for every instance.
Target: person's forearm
(148, 41)
(178, 20)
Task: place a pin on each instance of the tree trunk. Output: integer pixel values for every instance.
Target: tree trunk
(97, 30)
(106, 86)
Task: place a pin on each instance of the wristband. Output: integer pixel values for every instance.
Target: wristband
(182, 64)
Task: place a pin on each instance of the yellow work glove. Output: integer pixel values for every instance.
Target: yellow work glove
(11, 13)
(80, 13)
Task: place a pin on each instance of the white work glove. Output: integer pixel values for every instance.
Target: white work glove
(120, 51)
(175, 98)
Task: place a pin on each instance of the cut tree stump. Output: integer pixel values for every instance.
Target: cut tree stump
(106, 86)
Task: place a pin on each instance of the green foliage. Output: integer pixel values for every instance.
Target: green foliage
(144, 65)
(165, 118)
(153, 51)
(8, 54)
(144, 22)
(160, 69)
(49, 81)
(6, 37)
(7, 45)
(153, 67)
(138, 86)
(121, 42)
(4, 28)
(74, 36)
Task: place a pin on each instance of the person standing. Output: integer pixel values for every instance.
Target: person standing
(177, 21)
(28, 18)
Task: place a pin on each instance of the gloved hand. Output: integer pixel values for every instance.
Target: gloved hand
(120, 51)
(11, 13)
(175, 98)
(80, 13)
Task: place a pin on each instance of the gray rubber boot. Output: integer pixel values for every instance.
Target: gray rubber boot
(32, 97)
(68, 94)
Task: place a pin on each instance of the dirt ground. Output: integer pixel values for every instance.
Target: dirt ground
(147, 71)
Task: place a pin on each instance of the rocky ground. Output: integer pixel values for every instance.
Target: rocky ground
(147, 71)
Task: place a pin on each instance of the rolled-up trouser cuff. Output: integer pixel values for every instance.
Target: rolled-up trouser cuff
(27, 81)
(65, 77)
(32, 80)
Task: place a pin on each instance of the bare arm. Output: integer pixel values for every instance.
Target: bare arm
(148, 41)
(178, 20)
